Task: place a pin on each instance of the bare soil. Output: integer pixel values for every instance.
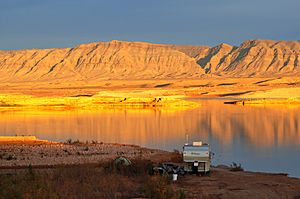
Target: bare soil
(18, 157)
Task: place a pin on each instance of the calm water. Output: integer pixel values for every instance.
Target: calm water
(261, 138)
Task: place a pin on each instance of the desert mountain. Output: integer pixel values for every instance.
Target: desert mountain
(138, 60)
(103, 60)
(253, 58)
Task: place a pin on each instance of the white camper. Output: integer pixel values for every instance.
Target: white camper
(197, 157)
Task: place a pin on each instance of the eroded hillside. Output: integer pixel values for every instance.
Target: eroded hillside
(138, 60)
(253, 58)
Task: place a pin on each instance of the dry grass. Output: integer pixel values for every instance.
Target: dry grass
(88, 181)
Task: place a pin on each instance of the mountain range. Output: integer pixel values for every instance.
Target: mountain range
(140, 60)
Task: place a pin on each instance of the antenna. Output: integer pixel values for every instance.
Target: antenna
(186, 139)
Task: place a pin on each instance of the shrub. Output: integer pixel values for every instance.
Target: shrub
(88, 181)
(176, 156)
(159, 187)
(69, 141)
(10, 157)
(94, 142)
(137, 167)
(86, 148)
(76, 142)
(236, 167)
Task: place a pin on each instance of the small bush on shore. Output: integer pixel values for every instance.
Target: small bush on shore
(94, 142)
(176, 156)
(86, 148)
(7, 157)
(159, 187)
(236, 167)
(137, 167)
(70, 141)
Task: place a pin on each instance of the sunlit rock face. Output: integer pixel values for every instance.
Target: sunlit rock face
(104, 60)
(253, 58)
(138, 60)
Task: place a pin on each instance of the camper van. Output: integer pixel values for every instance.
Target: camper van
(196, 157)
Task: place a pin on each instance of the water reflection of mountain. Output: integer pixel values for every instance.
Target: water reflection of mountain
(258, 126)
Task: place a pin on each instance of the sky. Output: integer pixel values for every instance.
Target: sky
(66, 23)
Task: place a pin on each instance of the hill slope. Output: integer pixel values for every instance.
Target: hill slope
(103, 60)
(138, 60)
(254, 58)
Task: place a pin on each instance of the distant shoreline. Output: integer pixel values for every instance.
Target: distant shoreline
(146, 93)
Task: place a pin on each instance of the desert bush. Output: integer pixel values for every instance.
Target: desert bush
(236, 167)
(86, 148)
(76, 142)
(159, 187)
(176, 156)
(94, 142)
(70, 141)
(25, 184)
(141, 167)
(137, 167)
(87, 181)
(10, 157)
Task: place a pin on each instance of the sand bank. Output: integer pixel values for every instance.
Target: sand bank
(102, 100)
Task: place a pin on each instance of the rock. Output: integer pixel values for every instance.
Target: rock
(139, 60)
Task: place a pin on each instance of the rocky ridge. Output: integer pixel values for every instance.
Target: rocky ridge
(140, 60)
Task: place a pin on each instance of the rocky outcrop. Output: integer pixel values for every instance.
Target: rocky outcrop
(103, 60)
(138, 60)
(211, 60)
(253, 58)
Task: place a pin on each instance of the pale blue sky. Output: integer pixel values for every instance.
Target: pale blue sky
(65, 23)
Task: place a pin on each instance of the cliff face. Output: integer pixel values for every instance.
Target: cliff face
(137, 60)
(253, 58)
(108, 60)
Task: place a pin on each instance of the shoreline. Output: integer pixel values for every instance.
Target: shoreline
(23, 151)
(89, 159)
(22, 147)
(100, 101)
(295, 102)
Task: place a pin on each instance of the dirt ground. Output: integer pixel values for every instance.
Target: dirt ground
(221, 183)
(18, 154)
(204, 88)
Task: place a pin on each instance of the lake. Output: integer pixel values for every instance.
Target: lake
(261, 138)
